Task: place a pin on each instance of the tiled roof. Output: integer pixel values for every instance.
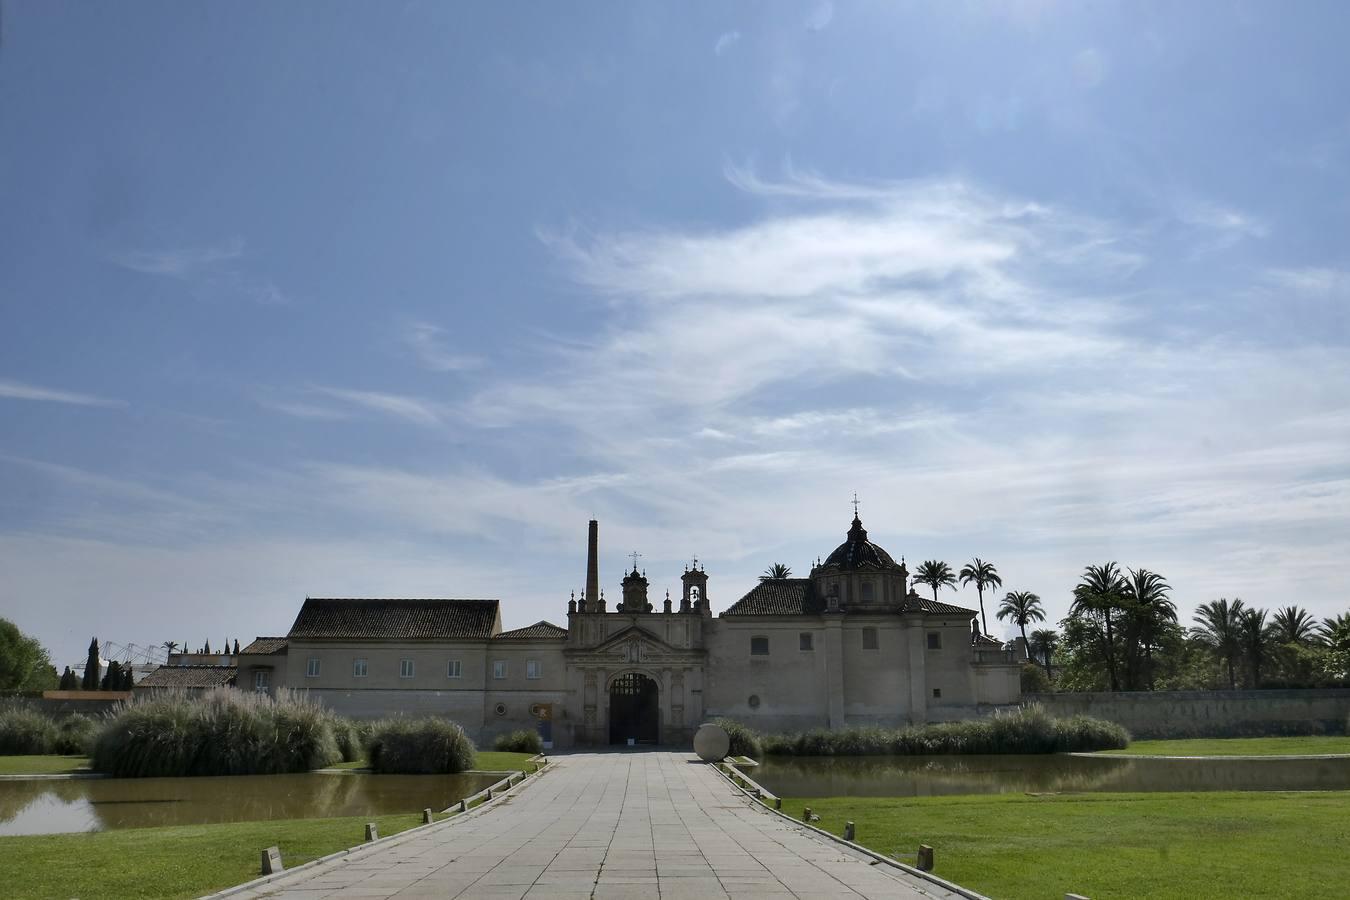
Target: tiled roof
(189, 677)
(354, 618)
(265, 645)
(777, 597)
(540, 629)
(985, 640)
(923, 604)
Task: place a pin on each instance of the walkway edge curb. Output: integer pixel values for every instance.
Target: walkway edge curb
(879, 857)
(381, 843)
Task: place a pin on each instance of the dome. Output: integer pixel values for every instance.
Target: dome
(858, 552)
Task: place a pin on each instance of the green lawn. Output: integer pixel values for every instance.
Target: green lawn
(42, 765)
(484, 761)
(1112, 845)
(1267, 746)
(182, 861)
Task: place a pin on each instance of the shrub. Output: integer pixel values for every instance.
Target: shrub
(420, 746)
(225, 732)
(1027, 730)
(75, 735)
(349, 739)
(25, 731)
(744, 741)
(523, 741)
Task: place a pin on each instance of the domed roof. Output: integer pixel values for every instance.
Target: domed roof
(858, 552)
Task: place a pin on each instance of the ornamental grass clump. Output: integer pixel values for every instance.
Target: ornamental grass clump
(26, 732)
(424, 746)
(350, 742)
(75, 735)
(744, 742)
(224, 732)
(522, 741)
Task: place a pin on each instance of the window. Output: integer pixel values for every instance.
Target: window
(405, 668)
(312, 668)
(759, 646)
(804, 641)
(937, 693)
(359, 668)
(934, 640)
(262, 680)
(869, 638)
(532, 668)
(867, 592)
(499, 668)
(452, 670)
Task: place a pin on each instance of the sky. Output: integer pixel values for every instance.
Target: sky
(339, 299)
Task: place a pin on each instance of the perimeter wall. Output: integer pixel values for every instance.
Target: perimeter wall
(1209, 713)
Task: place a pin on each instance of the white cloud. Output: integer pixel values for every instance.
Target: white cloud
(725, 42)
(415, 410)
(181, 261)
(427, 343)
(1316, 281)
(18, 390)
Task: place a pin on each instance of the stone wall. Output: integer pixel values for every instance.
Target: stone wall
(1209, 713)
(65, 703)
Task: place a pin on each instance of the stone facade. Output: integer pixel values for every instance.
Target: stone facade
(852, 644)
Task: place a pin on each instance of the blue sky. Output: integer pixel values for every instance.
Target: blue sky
(388, 300)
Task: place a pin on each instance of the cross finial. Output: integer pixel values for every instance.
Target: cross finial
(635, 556)
(855, 504)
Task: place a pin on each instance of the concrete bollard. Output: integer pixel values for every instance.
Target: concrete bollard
(848, 831)
(372, 833)
(925, 858)
(426, 817)
(271, 861)
(489, 795)
(777, 802)
(806, 814)
(463, 805)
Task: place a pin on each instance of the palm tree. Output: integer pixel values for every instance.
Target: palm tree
(1043, 644)
(1022, 607)
(1294, 625)
(1336, 631)
(1100, 593)
(1151, 610)
(935, 574)
(776, 572)
(1256, 634)
(982, 575)
(1218, 625)
(171, 646)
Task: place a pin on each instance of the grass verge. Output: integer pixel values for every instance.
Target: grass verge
(1111, 845)
(483, 761)
(42, 765)
(180, 861)
(1270, 746)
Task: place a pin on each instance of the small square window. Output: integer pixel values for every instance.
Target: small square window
(937, 693)
(359, 668)
(869, 638)
(262, 681)
(759, 646)
(452, 670)
(312, 667)
(533, 669)
(499, 668)
(867, 592)
(805, 641)
(934, 640)
(405, 668)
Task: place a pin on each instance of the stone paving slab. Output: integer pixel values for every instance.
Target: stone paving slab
(600, 825)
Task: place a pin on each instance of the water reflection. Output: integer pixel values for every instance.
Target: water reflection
(51, 807)
(923, 776)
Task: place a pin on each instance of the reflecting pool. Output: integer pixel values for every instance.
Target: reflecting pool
(924, 776)
(96, 804)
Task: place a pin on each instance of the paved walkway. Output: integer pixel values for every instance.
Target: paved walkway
(609, 825)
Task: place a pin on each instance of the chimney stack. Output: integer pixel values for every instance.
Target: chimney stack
(593, 568)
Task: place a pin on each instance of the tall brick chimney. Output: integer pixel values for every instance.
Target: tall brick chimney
(593, 568)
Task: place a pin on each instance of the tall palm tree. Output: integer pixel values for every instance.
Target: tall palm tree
(171, 646)
(1256, 635)
(935, 574)
(1218, 625)
(1099, 595)
(1151, 610)
(1294, 625)
(1022, 607)
(1336, 631)
(776, 572)
(982, 575)
(1043, 644)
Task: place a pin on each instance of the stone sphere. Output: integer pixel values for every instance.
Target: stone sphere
(711, 742)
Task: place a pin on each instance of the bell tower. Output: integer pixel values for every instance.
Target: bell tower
(695, 598)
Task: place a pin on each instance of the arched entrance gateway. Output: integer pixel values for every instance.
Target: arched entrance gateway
(634, 709)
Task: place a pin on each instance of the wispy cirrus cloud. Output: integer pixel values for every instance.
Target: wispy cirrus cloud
(180, 261)
(414, 410)
(18, 390)
(428, 343)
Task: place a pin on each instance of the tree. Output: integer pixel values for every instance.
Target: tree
(1218, 626)
(1099, 595)
(1022, 607)
(128, 678)
(1148, 609)
(1294, 625)
(25, 664)
(69, 680)
(206, 648)
(170, 646)
(236, 640)
(1043, 644)
(112, 679)
(935, 574)
(982, 575)
(1256, 636)
(1336, 632)
(775, 572)
(92, 667)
